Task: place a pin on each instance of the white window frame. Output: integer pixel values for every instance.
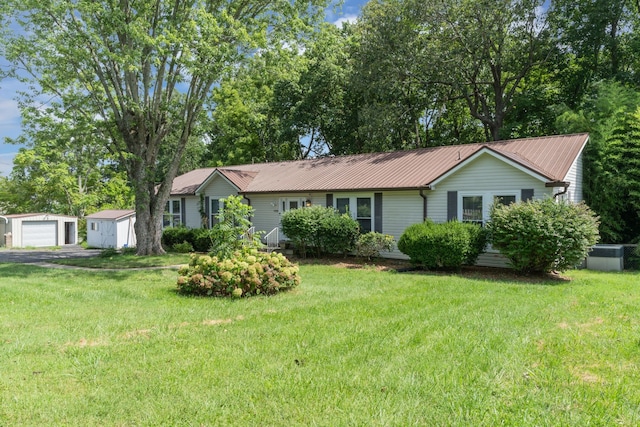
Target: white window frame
(487, 201)
(95, 226)
(353, 206)
(171, 218)
(284, 203)
(212, 213)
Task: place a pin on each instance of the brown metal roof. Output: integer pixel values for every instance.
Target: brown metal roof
(29, 215)
(551, 157)
(112, 214)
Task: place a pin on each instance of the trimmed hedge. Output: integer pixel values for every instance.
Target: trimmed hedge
(200, 239)
(370, 244)
(543, 235)
(247, 273)
(320, 229)
(448, 246)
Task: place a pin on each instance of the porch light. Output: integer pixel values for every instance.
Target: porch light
(307, 203)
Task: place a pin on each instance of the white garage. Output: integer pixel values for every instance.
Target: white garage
(38, 230)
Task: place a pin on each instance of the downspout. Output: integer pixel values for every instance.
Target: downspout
(566, 188)
(424, 203)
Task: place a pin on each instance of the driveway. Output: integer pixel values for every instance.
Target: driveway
(46, 255)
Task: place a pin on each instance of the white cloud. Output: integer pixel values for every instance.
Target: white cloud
(347, 18)
(9, 112)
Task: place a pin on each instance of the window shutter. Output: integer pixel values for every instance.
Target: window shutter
(183, 214)
(377, 207)
(452, 205)
(207, 211)
(329, 200)
(526, 194)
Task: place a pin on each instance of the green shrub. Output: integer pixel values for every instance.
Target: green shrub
(247, 272)
(337, 233)
(183, 248)
(231, 233)
(543, 235)
(370, 244)
(175, 235)
(323, 230)
(449, 245)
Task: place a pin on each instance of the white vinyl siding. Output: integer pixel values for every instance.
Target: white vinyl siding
(400, 209)
(486, 174)
(574, 177)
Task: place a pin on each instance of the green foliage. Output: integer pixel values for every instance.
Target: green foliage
(543, 235)
(370, 244)
(449, 245)
(231, 233)
(200, 239)
(337, 233)
(322, 229)
(245, 273)
(182, 248)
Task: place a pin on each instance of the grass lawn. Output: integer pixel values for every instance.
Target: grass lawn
(127, 261)
(348, 347)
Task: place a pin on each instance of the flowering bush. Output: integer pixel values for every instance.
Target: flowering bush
(247, 273)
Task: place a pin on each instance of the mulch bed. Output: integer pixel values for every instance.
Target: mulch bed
(402, 266)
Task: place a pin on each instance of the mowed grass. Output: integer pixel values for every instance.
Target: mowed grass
(120, 261)
(347, 348)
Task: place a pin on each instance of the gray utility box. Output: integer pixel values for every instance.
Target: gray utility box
(606, 258)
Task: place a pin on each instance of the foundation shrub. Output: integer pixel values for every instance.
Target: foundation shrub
(443, 246)
(370, 244)
(543, 235)
(247, 273)
(320, 230)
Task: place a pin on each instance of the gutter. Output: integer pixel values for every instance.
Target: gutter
(424, 202)
(564, 184)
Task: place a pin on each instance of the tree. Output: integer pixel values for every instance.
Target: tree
(145, 69)
(64, 168)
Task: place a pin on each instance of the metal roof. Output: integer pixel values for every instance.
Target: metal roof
(550, 157)
(112, 214)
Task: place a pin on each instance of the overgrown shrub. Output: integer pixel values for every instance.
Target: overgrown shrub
(247, 272)
(320, 229)
(543, 235)
(370, 244)
(231, 233)
(449, 245)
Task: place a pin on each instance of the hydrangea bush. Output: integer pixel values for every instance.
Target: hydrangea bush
(246, 273)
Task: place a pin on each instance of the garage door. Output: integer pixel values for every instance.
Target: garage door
(39, 233)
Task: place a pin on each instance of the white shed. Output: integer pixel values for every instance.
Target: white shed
(111, 229)
(38, 230)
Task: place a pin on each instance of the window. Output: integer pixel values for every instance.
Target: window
(342, 205)
(472, 209)
(217, 205)
(172, 215)
(476, 208)
(363, 213)
(360, 209)
(94, 226)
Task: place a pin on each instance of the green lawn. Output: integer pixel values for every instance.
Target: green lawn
(127, 261)
(348, 347)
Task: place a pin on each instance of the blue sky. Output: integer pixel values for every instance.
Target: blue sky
(10, 115)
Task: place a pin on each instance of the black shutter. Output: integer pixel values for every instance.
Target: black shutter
(183, 214)
(526, 194)
(207, 209)
(377, 207)
(452, 205)
(329, 201)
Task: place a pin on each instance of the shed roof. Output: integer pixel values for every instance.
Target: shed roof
(549, 157)
(112, 214)
(30, 215)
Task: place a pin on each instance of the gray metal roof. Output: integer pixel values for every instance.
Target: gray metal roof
(112, 214)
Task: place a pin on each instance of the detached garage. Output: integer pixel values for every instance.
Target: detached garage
(38, 230)
(111, 229)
